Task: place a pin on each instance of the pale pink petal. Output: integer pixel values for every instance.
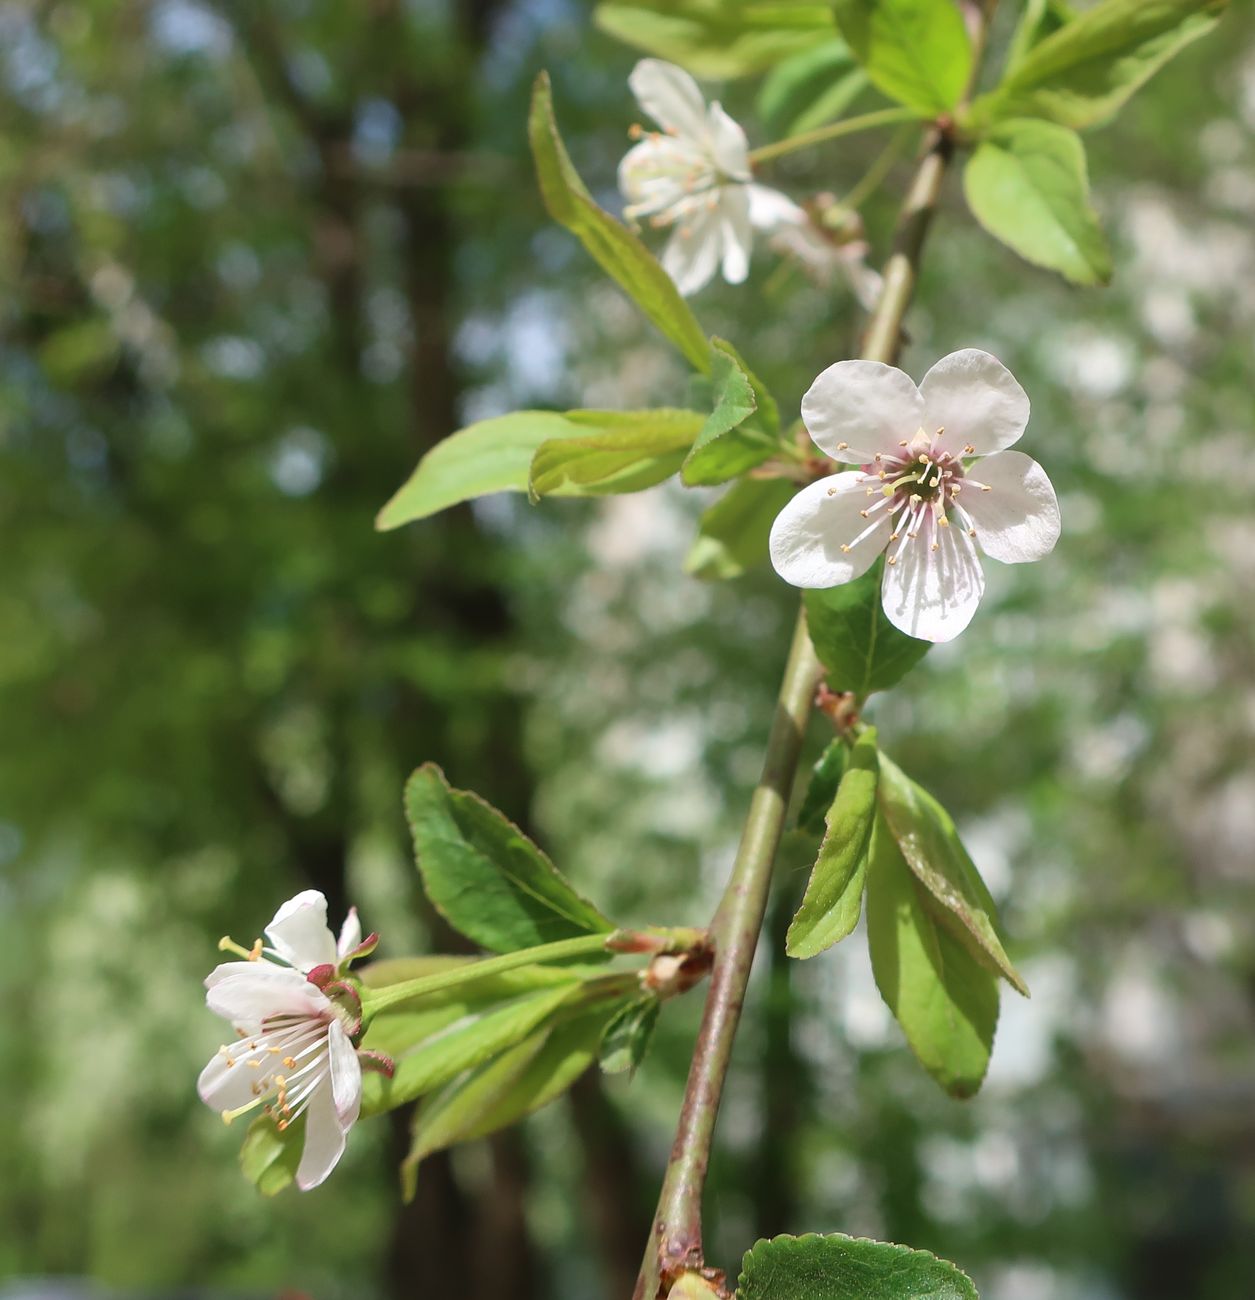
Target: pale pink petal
(734, 218)
(228, 968)
(976, 400)
(808, 534)
(1017, 520)
(670, 96)
(693, 251)
(346, 1075)
(265, 991)
(226, 1086)
(857, 409)
(931, 594)
(350, 934)
(299, 932)
(324, 1138)
(770, 209)
(728, 145)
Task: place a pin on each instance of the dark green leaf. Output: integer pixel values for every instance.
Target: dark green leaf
(861, 651)
(615, 249)
(837, 1267)
(944, 999)
(926, 835)
(915, 51)
(269, 1158)
(1085, 72)
(628, 1035)
(732, 534)
(728, 38)
(484, 876)
(1027, 185)
(629, 451)
(822, 789)
(834, 893)
(810, 89)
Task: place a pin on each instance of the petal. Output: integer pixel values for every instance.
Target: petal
(346, 1075)
(249, 999)
(350, 934)
(977, 400)
(670, 96)
(867, 405)
(770, 209)
(652, 174)
(324, 1139)
(737, 235)
(692, 252)
(299, 932)
(933, 594)
(1018, 518)
(728, 145)
(224, 1086)
(808, 534)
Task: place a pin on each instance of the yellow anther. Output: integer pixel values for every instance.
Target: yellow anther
(832, 492)
(253, 1063)
(290, 1062)
(843, 446)
(943, 522)
(904, 443)
(845, 550)
(864, 513)
(274, 1051)
(971, 532)
(635, 131)
(936, 546)
(893, 559)
(969, 449)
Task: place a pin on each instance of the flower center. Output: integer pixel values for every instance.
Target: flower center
(288, 1060)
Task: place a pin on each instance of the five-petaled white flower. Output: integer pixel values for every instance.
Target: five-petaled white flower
(294, 1052)
(695, 175)
(918, 494)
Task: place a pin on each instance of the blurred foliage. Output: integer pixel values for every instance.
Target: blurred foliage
(256, 259)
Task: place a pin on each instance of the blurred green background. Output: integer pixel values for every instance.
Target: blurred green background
(254, 259)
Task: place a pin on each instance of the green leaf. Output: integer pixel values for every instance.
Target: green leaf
(615, 249)
(926, 835)
(810, 89)
(627, 1037)
(915, 51)
(269, 1158)
(717, 38)
(728, 443)
(944, 999)
(834, 893)
(1039, 19)
(519, 1081)
(629, 451)
(1085, 72)
(484, 876)
(1027, 185)
(838, 1267)
(449, 1046)
(861, 651)
(822, 789)
(732, 534)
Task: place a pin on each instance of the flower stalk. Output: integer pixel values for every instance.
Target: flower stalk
(822, 134)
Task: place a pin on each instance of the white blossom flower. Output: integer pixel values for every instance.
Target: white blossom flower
(294, 1054)
(918, 495)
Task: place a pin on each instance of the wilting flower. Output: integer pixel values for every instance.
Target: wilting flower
(295, 1025)
(934, 481)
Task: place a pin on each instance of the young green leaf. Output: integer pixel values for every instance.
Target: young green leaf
(810, 89)
(834, 893)
(915, 51)
(1027, 185)
(925, 834)
(730, 441)
(270, 1158)
(861, 651)
(944, 999)
(484, 876)
(822, 788)
(1038, 20)
(718, 40)
(1085, 72)
(627, 1036)
(732, 534)
(615, 249)
(837, 1267)
(629, 451)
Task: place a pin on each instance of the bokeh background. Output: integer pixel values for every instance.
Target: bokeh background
(254, 259)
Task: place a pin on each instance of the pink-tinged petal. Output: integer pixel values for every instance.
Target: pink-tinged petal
(299, 931)
(931, 594)
(1017, 520)
(977, 400)
(808, 534)
(324, 1138)
(670, 96)
(350, 934)
(858, 409)
(692, 253)
(734, 217)
(226, 1083)
(229, 968)
(770, 209)
(346, 1075)
(265, 991)
(728, 145)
